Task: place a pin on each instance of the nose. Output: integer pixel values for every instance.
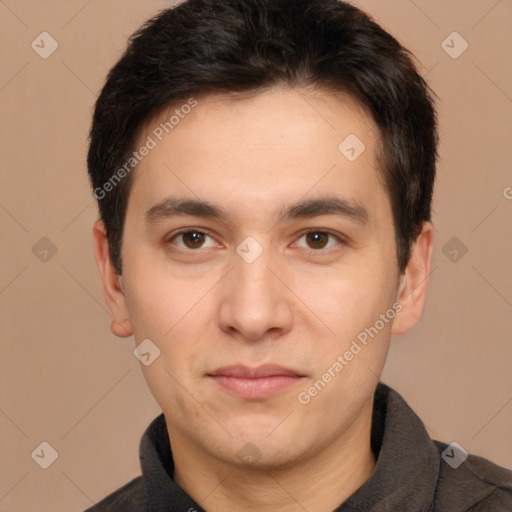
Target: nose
(256, 303)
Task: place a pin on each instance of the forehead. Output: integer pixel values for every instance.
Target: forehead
(260, 150)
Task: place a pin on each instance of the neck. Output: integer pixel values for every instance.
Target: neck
(320, 482)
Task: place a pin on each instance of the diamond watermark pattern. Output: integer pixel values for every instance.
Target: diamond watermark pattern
(249, 250)
(454, 249)
(45, 455)
(454, 455)
(44, 45)
(146, 352)
(352, 147)
(454, 45)
(44, 250)
(249, 453)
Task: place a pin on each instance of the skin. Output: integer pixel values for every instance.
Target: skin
(300, 304)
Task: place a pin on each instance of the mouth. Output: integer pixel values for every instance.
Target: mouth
(257, 382)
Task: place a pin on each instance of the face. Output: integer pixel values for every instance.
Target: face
(259, 258)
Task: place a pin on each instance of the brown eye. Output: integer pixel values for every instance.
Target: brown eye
(193, 239)
(317, 239)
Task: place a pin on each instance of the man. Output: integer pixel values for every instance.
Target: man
(264, 171)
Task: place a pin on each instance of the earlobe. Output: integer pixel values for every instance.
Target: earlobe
(112, 283)
(412, 288)
(121, 329)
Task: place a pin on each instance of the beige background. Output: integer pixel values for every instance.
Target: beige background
(65, 379)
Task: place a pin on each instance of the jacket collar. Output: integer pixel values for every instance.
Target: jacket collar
(404, 478)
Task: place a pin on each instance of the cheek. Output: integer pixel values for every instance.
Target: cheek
(158, 302)
(175, 313)
(349, 299)
(173, 321)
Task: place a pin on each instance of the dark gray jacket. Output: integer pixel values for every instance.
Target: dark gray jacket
(413, 472)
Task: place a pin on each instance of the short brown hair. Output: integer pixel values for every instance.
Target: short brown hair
(242, 46)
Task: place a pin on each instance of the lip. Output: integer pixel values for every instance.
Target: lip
(265, 370)
(257, 382)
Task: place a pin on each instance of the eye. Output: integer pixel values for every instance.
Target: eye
(317, 239)
(192, 239)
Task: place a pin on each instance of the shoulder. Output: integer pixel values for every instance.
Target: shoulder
(476, 485)
(129, 498)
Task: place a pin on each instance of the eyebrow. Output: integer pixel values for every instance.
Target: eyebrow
(302, 209)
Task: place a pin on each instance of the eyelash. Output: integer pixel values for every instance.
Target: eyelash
(338, 238)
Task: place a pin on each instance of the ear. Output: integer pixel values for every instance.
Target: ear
(412, 289)
(112, 285)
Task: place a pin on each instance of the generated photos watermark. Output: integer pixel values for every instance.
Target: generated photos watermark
(305, 397)
(152, 141)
